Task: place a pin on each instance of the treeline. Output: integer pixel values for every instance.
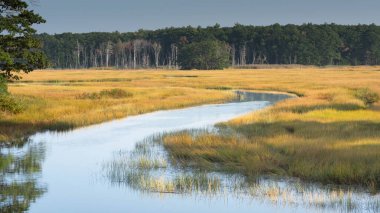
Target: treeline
(307, 44)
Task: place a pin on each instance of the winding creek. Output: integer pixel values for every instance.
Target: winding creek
(74, 171)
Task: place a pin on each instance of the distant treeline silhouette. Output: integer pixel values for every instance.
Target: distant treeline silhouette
(308, 44)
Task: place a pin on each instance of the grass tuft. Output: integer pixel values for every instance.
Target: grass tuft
(112, 93)
(367, 96)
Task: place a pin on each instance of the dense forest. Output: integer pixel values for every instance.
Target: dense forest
(308, 44)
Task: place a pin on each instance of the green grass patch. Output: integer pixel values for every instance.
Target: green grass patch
(367, 96)
(112, 93)
(10, 104)
(220, 88)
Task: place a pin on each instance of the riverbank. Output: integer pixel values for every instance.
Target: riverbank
(64, 107)
(60, 100)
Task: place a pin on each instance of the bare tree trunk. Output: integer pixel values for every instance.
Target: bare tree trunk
(254, 57)
(170, 62)
(243, 53)
(85, 59)
(136, 50)
(108, 52)
(123, 60)
(134, 58)
(174, 56)
(233, 52)
(101, 59)
(77, 63)
(265, 59)
(157, 49)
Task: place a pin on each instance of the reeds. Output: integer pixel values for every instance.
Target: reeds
(170, 179)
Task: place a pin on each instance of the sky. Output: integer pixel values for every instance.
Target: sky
(130, 15)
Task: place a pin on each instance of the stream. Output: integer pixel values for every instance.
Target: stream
(74, 171)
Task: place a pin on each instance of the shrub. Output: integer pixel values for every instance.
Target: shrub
(367, 96)
(3, 85)
(113, 93)
(9, 104)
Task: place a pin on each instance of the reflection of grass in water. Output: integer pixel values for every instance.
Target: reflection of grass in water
(137, 170)
(146, 169)
(293, 195)
(183, 183)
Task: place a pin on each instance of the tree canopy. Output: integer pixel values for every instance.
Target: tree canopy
(307, 44)
(206, 55)
(19, 48)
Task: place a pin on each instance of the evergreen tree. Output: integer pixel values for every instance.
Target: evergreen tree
(18, 48)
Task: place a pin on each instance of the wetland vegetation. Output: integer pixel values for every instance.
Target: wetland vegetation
(328, 134)
(148, 168)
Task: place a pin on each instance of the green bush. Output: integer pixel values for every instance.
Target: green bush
(3, 85)
(367, 96)
(9, 104)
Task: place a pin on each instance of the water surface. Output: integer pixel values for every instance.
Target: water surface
(64, 172)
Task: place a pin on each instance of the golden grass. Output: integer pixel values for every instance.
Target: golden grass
(58, 107)
(51, 103)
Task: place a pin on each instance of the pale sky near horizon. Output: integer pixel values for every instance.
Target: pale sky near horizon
(131, 15)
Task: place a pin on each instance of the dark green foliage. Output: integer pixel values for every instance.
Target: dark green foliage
(7, 102)
(367, 96)
(113, 93)
(204, 55)
(3, 86)
(308, 44)
(18, 46)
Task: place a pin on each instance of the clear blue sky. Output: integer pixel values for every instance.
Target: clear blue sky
(131, 15)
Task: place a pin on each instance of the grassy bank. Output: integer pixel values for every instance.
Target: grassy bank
(51, 101)
(61, 107)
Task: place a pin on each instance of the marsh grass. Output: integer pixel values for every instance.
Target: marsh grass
(328, 134)
(220, 88)
(59, 107)
(338, 153)
(367, 96)
(112, 93)
(124, 170)
(146, 169)
(52, 94)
